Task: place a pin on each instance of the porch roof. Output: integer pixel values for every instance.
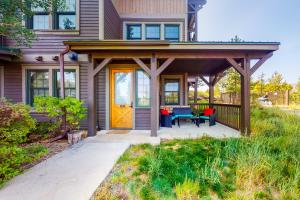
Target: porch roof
(84, 45)
(7, 54)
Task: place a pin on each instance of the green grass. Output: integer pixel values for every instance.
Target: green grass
(263, 166)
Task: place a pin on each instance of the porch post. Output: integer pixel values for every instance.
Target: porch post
(91, 101)
(154, 97)
(196, 90)
(245, 98)
(211, 90)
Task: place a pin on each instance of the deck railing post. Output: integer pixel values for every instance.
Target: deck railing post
(211, 91)
(245, 98)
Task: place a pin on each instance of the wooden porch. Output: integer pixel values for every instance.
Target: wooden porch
(207, 61)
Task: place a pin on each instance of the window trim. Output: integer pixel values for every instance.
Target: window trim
(171, 80)
(181, 89)
(172, 39)
(162, 28)
(136, 90)
(152, 25)
(57, 13)
(52, 30)
(50, 69)
(127, 31)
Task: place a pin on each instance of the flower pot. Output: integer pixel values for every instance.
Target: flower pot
(74, 137)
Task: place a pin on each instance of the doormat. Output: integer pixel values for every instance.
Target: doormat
(118, 132)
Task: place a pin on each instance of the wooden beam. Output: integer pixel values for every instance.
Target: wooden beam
(196, 90)
(260, 62)
(154, 97)
(164, 66)
(236, 66)
(142, 65)
(245, 99)
(101, 66)
(211, 90)
(204, 80)
(91, 101)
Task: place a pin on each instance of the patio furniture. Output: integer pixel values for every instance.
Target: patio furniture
(208, 114)
(165, 118)
(183, 113)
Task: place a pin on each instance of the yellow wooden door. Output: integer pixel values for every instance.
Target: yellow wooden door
(121, 98)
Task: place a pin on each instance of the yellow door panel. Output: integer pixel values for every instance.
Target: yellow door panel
(121, 98)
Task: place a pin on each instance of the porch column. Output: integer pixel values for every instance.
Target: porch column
(211, 90)
(154, 97)
(196, 90)
(91, 101)
(245, 98)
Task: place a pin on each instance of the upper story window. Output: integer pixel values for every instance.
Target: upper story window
(153, 31)
(134, 31)
(66, 18)
(39, 20)
(61, 19)
(172, 32)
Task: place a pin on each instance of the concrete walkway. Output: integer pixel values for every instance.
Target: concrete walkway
(70, 175)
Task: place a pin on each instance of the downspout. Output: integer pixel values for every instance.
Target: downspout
(62, 71)
(62, 85)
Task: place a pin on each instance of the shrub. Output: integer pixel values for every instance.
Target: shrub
(15, 123)
(72, 108)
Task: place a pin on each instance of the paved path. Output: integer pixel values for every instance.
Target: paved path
(71, 175)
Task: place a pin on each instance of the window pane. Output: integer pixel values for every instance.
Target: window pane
(172, 86)
(153, 32)
(38, 84)
(171, 98)
(40, 22)
(70, 83)
(143, 89)
(70, 6)
(134, 32)
(172, 32)
(122, 88)
(67, 22)
(172, 91)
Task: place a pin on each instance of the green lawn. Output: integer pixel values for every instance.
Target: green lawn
(264, 166)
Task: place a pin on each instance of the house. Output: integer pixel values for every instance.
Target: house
(126, 59)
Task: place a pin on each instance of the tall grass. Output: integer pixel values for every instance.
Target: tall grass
(263, 166)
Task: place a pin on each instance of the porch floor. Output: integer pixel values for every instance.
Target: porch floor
(187, 130)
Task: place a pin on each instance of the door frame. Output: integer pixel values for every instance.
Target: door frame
(112, 67)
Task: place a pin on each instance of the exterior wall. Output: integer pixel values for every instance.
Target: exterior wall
(101, 99)
(1, 81)
(112, 21)
(142, 118)
(13, 82)
(151, 9)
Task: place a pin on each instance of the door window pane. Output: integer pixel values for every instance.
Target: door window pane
(142, 89)
(123, 88)
(172, 32)
(153, 32)
(134, 32)
(172, 91)
(38, 84)
(70, 83)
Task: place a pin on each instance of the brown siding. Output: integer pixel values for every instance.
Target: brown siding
(13, 82)
(112, 21)
(101, 98)
(83, 86)
(89, 18)
(142, 119)
(146, 8)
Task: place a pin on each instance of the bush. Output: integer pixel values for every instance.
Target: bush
(72, 108)
(15, 123)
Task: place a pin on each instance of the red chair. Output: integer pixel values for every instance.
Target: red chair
(208, 114)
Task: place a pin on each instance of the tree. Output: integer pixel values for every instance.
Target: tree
(236, 39)
(14, 12)
(295, 96)
(277, 84)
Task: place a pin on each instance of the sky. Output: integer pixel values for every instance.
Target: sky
(257, 20)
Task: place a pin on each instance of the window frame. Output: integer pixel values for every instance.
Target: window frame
(127, 31)
(171, 80)
(165, 32)
(55, 86)
(29, 98)
(30, 20)
(57, 13)
(136, 90)
(50, 69)
(152, 25)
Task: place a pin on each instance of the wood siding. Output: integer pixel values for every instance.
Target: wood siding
(112, 22)
(101, 99)
(13, 82)
(153, 8)
(142, 118)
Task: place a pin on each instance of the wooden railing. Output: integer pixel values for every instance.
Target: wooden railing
(227, 114)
